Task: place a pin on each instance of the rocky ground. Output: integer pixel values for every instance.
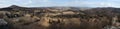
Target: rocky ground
(15, 17)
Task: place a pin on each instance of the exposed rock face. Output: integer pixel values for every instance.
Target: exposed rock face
(3, 24)
(53, 18)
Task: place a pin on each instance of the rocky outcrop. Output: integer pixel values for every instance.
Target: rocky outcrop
(3, 24)
(53, 18)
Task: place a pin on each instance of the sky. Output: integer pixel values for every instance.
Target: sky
(50, 3)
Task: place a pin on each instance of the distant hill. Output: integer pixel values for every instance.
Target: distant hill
(18, 17)
(39, 8)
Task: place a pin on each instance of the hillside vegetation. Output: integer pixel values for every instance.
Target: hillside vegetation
(15, 17)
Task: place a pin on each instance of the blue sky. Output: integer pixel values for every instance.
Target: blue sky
(49, 3)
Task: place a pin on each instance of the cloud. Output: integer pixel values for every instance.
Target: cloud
(97, 4)
(3, 5)
(102, 3)
(14, 2)
(42, 3)
(47, 3)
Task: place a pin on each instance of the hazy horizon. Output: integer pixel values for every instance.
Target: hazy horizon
(66, 3)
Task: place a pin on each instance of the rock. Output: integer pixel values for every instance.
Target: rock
(3, 22)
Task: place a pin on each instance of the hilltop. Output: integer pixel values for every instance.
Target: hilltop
(59, 17)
